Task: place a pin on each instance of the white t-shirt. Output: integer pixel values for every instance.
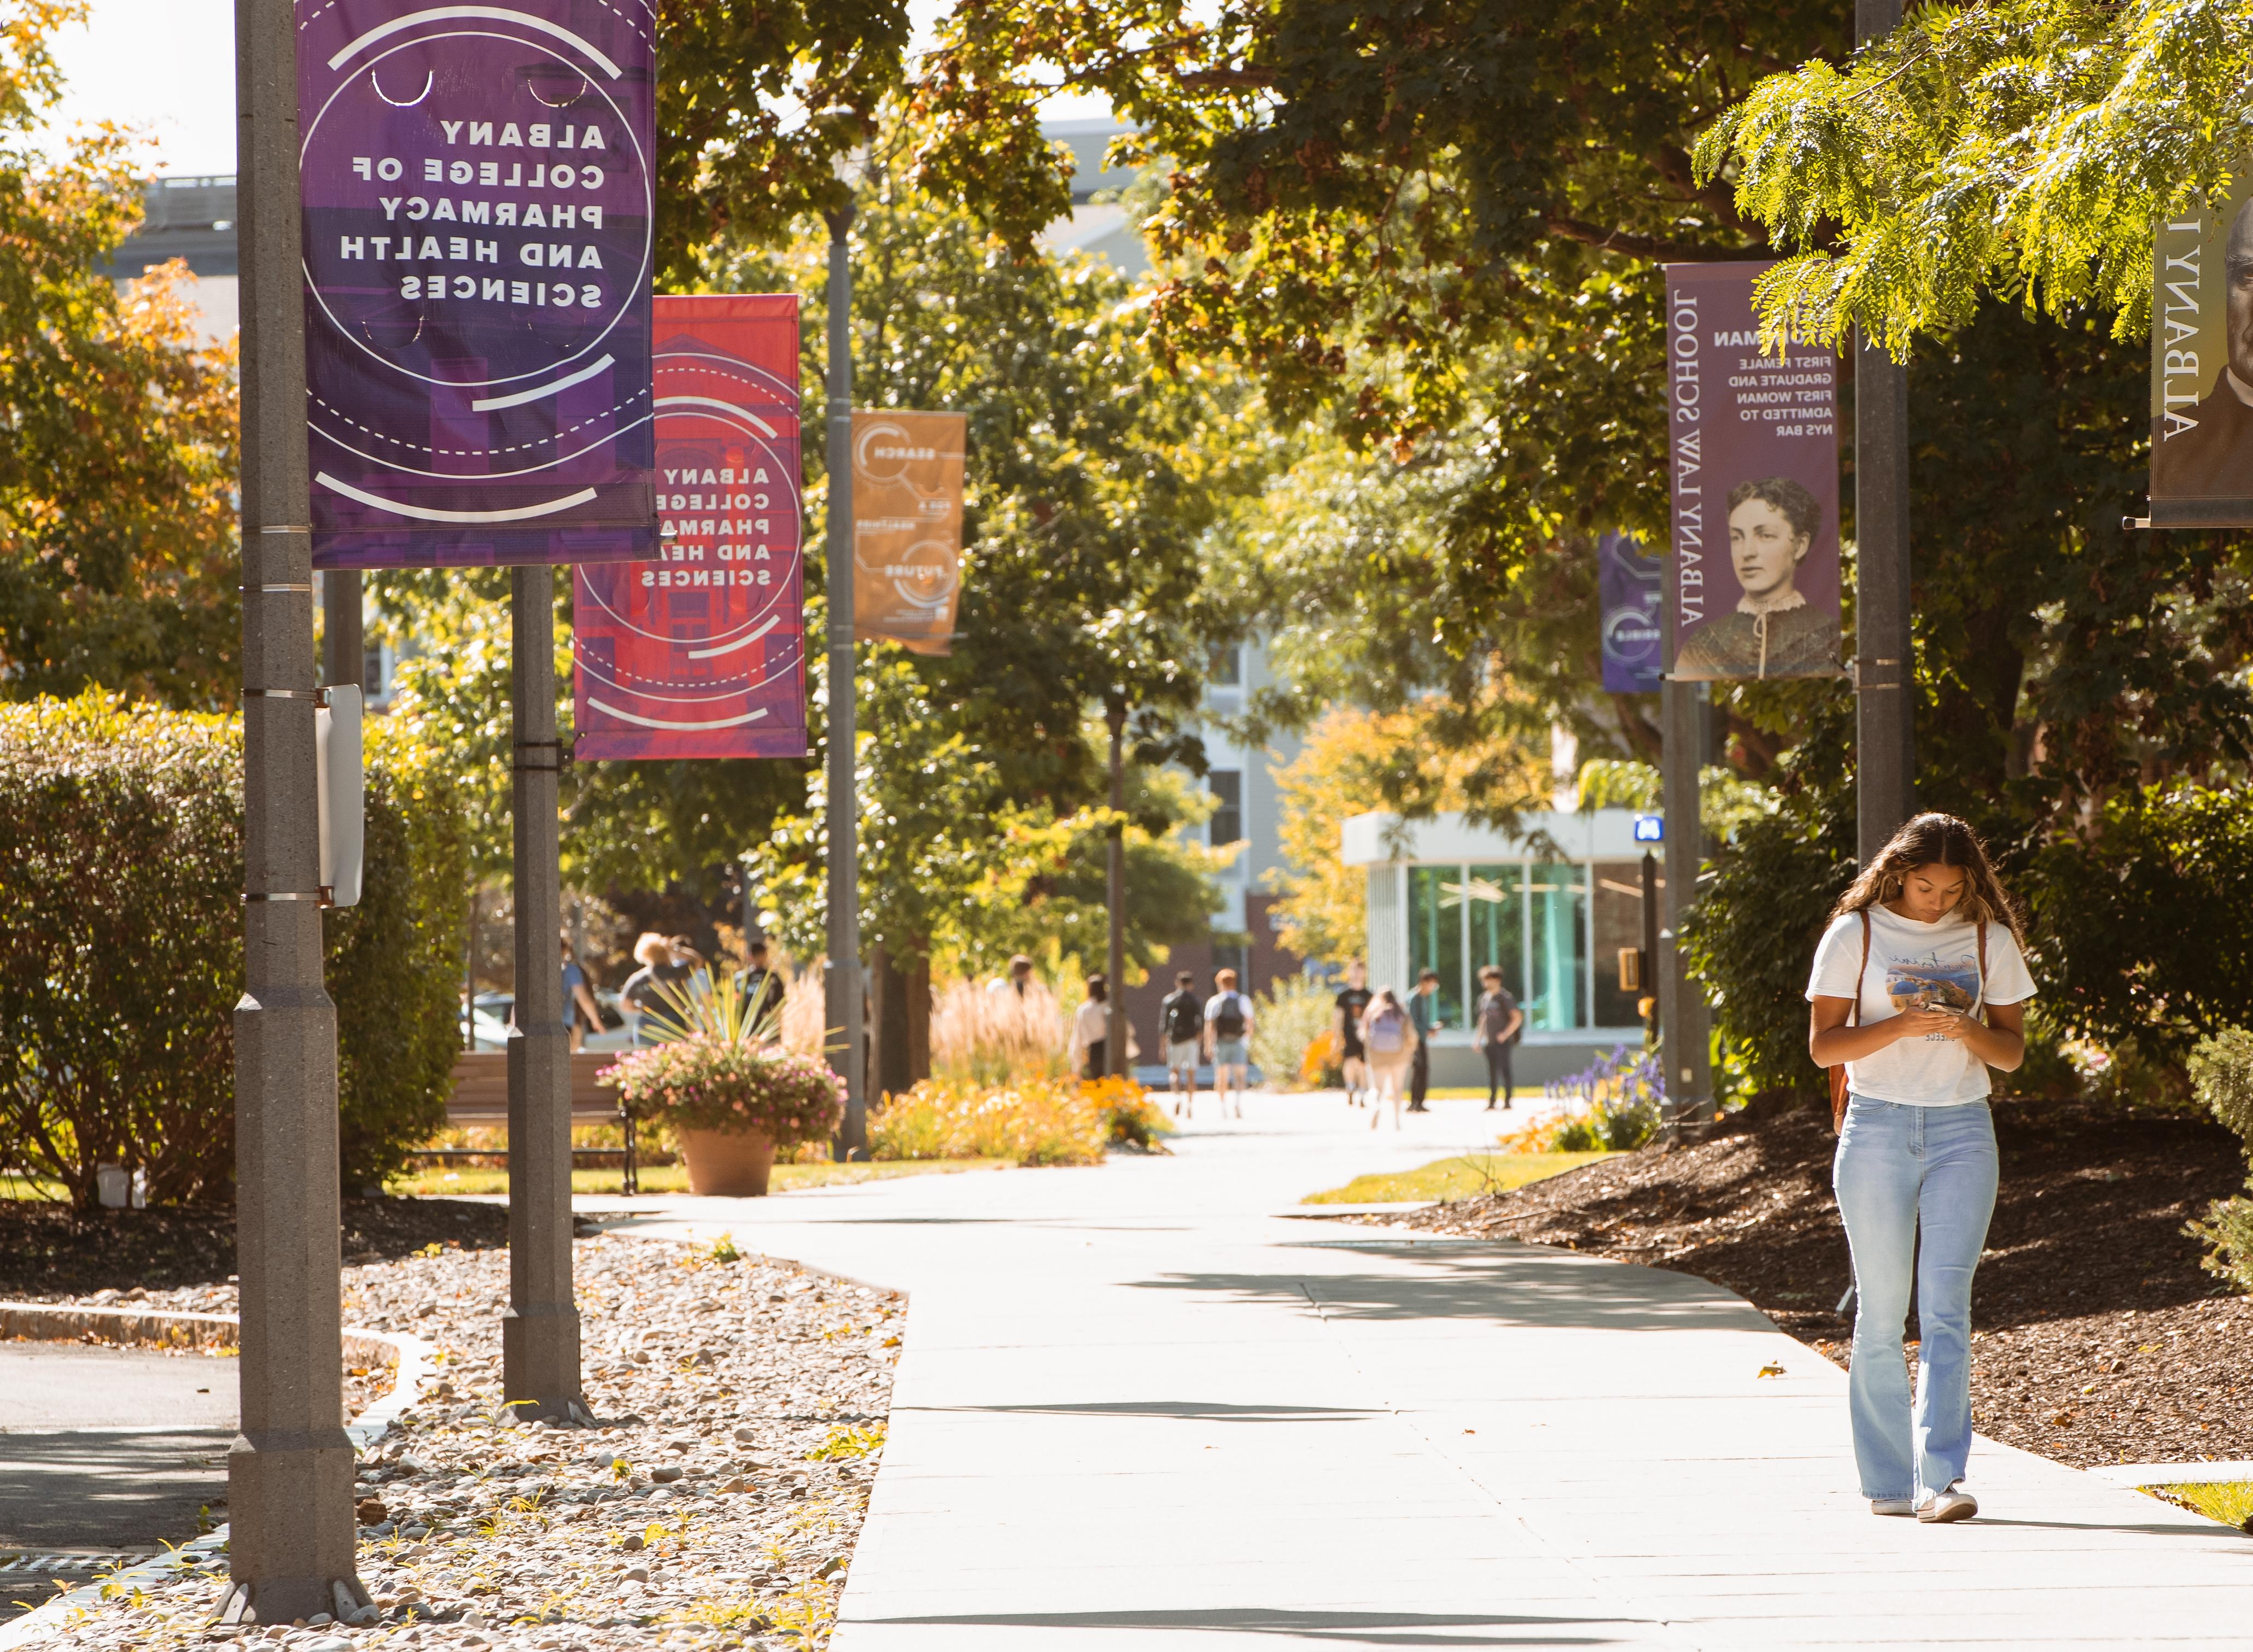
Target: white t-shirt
(1917, 966)
(1212, 1009)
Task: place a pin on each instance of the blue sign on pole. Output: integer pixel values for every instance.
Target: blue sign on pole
(1650, 828)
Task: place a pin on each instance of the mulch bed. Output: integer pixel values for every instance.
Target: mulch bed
(2097, 1337)
(50, 1251)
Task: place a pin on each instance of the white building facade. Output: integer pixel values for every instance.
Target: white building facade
(1550, 905)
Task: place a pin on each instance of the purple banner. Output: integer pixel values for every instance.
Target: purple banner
(477, 195)
(1628, 592)
(702, 652)
(1752, 443)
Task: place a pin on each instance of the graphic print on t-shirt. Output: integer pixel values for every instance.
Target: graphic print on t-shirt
(1927, 983)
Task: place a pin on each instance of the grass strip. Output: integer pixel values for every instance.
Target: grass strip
(1458, 1178)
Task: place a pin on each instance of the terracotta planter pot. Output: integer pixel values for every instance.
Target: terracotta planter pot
(728, 1163)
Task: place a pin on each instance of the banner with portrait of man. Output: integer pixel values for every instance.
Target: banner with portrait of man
(1753, 452)
(2202, 364)
(907, 526)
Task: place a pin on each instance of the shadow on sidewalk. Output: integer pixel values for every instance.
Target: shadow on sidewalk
(1334, 1628)
(1514, 1285)
(1185, 1410)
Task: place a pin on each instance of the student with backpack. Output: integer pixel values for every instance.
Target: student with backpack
(1390, 1037)
(1181, 1029)
(1228, 1040)
(1919, 987)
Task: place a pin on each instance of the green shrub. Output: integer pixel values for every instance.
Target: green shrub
(2222, 1077)
(1287, 1023)
(394, 961)
(2144, 931)
(121, 949)
(1751, 938)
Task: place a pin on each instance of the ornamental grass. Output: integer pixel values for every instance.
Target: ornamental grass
(1038, 1121)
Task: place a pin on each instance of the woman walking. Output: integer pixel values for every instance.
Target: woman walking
(1390, 1037)
(1091, 1030)
(1918, 988)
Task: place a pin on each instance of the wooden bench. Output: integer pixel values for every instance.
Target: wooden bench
(480, 1095)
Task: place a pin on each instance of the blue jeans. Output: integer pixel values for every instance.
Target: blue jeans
(1900, 1169)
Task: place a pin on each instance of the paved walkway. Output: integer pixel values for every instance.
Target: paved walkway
(1139, 1409)
(103, 1450)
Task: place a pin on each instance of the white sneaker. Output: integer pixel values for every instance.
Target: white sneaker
(1893, 1506)
(1942, 1507)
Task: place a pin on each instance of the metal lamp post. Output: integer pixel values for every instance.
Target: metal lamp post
(1114, 1036)
(290, 1470)
(1885, 722)
(841, 996)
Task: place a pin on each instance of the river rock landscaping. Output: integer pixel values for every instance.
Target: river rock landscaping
(2097, 1337)
(740, 1406)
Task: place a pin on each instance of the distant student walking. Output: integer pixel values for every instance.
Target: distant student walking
(1919, 987)
(1500, 1021)
(1180, 1027)
(1388, 1036)
(1352, 1002)
(1090, 1030)
(1228, 1040)
(1424, 1010)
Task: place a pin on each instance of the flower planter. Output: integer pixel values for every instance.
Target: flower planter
(730, 1164)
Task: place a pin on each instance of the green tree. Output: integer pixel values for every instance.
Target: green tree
(2021, 148)
(117, 520)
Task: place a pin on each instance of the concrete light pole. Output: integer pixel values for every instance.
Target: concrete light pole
(842, 994)
(1114, 1036)
(540, 1332)
(290, 1470)
(1884, 731)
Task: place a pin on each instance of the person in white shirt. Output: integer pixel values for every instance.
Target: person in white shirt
(1091, 1030)
(1919, 987)
(1228, 1041)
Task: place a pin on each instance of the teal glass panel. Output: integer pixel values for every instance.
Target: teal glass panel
(1435, 937)
(1555, 907)
(1496, 907)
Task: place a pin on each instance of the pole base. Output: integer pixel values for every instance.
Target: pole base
(293, 1541)
(539, 1366)
(287, 1601)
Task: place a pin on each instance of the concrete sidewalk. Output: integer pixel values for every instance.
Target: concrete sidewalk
(1138, 1409)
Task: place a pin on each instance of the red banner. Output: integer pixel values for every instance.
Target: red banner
(703, 653)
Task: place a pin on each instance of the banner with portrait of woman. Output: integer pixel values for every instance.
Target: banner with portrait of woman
(1753, 454)
(2202, 363)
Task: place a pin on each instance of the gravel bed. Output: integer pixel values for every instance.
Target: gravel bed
(741, 1405)
(2097, 1337)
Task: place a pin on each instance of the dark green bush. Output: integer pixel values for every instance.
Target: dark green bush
(2221, 1076)
(121, 949)
(2143, 926)
(1751, 938)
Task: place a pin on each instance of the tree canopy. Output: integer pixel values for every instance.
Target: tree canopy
(2022, 148)
(117, 521)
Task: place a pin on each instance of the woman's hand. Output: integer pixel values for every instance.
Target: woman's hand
(1926, 1021)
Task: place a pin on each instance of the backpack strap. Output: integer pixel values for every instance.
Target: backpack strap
(1980, 1003)
(1865, 968)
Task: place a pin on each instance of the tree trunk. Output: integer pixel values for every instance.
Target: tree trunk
(893, 1068)
(918, 1018)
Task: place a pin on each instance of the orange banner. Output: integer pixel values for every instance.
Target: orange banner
(907, 527)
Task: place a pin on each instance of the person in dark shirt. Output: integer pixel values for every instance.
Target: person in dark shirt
(1424, 1010)
(760, 991)
(1180, 1029)
(1499, 1022)
(1352, 1004)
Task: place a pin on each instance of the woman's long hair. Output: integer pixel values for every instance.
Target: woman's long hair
(1934, 840)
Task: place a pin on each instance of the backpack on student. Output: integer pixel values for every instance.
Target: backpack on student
(1388, 1031)
(1229, 1022)
(1184, 1021)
